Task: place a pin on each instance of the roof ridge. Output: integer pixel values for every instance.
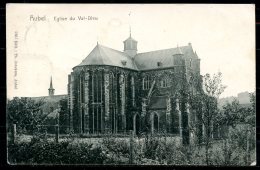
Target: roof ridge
(103, 53)
(100, 56)
(112, 49)
(47, 96)
(88, 55)
(163, 49)
(129, 57)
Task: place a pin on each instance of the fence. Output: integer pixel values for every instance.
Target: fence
(54, 132)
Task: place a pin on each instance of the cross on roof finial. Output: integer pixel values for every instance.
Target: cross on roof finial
(130, 23)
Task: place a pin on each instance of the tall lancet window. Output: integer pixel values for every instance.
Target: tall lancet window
(165, 82)
(97, 98)
(81, 100)
(122, 88)
(133, 90)
(146, 82)
(112, 102)
(191, 86)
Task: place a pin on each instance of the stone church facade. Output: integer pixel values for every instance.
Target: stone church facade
(113, 92)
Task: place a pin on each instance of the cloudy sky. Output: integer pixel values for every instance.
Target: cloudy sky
(222, 35)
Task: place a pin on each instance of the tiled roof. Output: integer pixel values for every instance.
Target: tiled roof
(149, 60)
(102, 55)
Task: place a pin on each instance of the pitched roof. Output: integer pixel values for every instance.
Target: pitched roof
(53, 98)
(149, 60)
(102, 55)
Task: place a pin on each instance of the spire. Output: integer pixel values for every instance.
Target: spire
(51, 84)
(51, 89)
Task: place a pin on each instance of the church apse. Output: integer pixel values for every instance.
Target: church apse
(113, 92)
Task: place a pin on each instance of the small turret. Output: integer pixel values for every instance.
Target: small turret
(130, 46)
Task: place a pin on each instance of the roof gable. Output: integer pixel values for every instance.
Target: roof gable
(149, 60)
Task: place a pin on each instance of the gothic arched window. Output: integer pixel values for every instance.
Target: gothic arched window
(191, 85)
(81, 87)
(111, 88)
(96, 115)
(112, 102)
(133, 90)
(122, 82)
(97, 87)
(146, 82)
(165, 82)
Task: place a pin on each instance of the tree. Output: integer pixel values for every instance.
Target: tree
(240, 139)
(205, 105)
(250, 118)
(231, 114)
(24, 112)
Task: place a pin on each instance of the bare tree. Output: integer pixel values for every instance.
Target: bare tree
(204, 103)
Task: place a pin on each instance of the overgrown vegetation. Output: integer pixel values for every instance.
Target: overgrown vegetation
(236, 147)
(40, 151)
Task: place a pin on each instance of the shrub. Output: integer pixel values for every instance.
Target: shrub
(117, 150)
(44, 152)
(152, 145)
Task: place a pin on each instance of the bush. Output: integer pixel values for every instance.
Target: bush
(152, 146)
(44, 152)
(147, 151)
(116, 150)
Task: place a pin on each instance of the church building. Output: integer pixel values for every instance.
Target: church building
(113, 92)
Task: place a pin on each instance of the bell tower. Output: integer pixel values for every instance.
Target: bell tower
(51, 89)
(130, 46)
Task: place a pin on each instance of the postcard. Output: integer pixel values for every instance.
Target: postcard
(131, 84)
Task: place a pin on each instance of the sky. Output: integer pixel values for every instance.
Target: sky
(223, 36)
